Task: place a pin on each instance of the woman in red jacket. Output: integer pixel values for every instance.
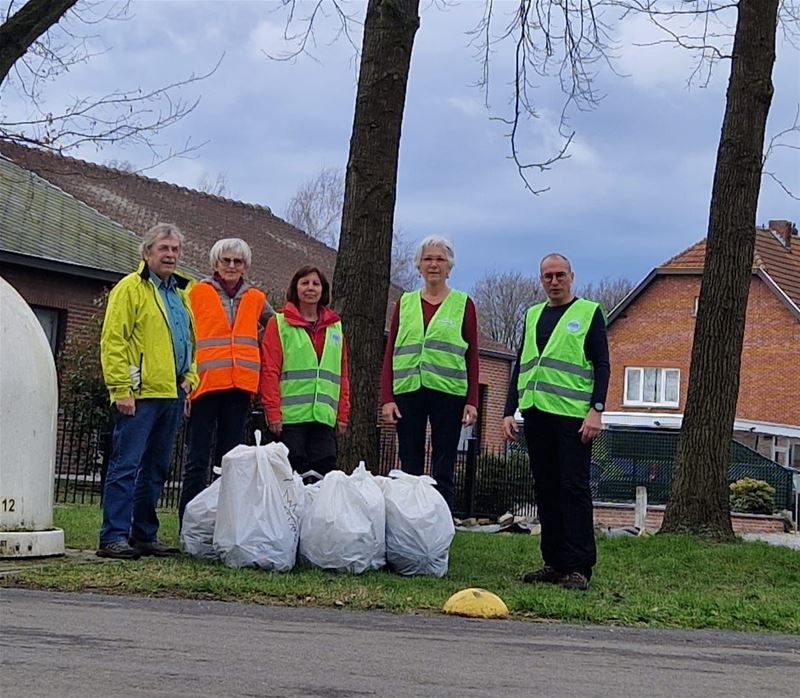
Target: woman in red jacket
(305, 386)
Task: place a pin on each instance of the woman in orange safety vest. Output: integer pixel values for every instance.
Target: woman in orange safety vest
(229, 315)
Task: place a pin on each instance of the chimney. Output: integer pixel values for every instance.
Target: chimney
(784, 230)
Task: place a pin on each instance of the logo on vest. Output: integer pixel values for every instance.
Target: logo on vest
(574, 325)
(336, 337)
(446, 321)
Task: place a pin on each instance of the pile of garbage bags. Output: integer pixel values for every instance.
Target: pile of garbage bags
(259, 513)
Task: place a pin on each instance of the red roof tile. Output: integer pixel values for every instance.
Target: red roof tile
(772, 254)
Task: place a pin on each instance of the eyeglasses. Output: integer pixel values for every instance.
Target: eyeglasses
(227, 261)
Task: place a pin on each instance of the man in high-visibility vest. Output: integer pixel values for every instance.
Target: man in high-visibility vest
(147, 352)
(559, 385)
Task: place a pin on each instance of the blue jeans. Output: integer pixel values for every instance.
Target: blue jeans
(139, 466)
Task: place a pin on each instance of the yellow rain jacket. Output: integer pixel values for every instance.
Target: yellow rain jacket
(136, 342)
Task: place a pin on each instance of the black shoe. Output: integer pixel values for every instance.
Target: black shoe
(575, 580)
(154, 548)
(118, 550)
(545, 575)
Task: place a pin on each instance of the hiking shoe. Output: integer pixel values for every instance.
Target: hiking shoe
(545, 575)
(575, 580)
(154, 548)
(118, 550)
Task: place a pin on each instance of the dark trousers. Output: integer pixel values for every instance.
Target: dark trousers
(445, 413)
(223, 411)
(312, 446)
(560, 463)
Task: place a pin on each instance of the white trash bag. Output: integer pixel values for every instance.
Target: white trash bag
(199, 518)
(260, 504)
(419, 525)
(344, 525)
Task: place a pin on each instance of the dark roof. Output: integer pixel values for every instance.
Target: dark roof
(40, 222)
(136, 203)
(776, 260)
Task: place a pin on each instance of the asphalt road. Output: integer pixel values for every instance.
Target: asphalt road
(88, 645)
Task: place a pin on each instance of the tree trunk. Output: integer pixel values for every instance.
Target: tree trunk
(361, 277)
(25, 26)
(699, 502)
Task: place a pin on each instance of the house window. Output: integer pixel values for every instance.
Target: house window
(795, 460)
(49, 319)
(652, 386)
(780, 450)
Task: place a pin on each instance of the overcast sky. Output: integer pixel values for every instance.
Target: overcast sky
(635, 192)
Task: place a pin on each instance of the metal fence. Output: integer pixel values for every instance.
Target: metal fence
(487, 482)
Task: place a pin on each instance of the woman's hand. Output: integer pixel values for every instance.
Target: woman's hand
(390, 413)
(341, 428)
(470, 415)
(275, 427)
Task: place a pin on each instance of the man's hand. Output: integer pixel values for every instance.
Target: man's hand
(390, 413)
(186, 386)
(591, 427)
(470, 415)
(341, 428)
(510, 428)
(126, 406)
(275, 427)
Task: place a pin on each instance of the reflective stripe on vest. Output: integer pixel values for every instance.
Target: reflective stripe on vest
(227, 357)
(434, 357)
(560, 385)
(310, 386)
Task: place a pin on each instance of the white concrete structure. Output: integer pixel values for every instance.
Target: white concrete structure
(28, 408)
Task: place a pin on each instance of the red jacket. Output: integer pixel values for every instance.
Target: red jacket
(272, 360)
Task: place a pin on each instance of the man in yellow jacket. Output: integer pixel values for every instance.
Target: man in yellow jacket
(147, 353)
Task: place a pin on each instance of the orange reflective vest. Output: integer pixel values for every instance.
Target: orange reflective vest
(227, 357)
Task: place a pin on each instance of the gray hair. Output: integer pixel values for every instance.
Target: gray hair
(236, 246)
(555, 255)
(436, 241)
(157, 232)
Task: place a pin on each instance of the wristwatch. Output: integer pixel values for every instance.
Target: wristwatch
(599, 406)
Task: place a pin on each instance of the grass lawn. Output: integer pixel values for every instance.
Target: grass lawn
(664, 581)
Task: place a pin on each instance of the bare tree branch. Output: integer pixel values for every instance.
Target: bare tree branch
(778, 141)
(305, 37)
(51, 48)
(551, 38)
(316, 206)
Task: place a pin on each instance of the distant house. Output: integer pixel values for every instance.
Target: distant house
(70, 228)
(650, 340)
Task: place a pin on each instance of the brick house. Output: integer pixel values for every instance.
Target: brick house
(69, 229)
(650, 341)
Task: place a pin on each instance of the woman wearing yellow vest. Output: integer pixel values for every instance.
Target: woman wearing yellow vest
(430, 368)
(228, 313)
(305, 385)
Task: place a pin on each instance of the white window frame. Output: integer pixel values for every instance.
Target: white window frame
(794, 454)
(780, 452)
(662, 401)
(695, 306)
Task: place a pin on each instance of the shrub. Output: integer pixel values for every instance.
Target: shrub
(504, 483)
(80, 373)
(752, 496)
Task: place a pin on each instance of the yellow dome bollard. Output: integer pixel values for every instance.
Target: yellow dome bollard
(476, 603)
